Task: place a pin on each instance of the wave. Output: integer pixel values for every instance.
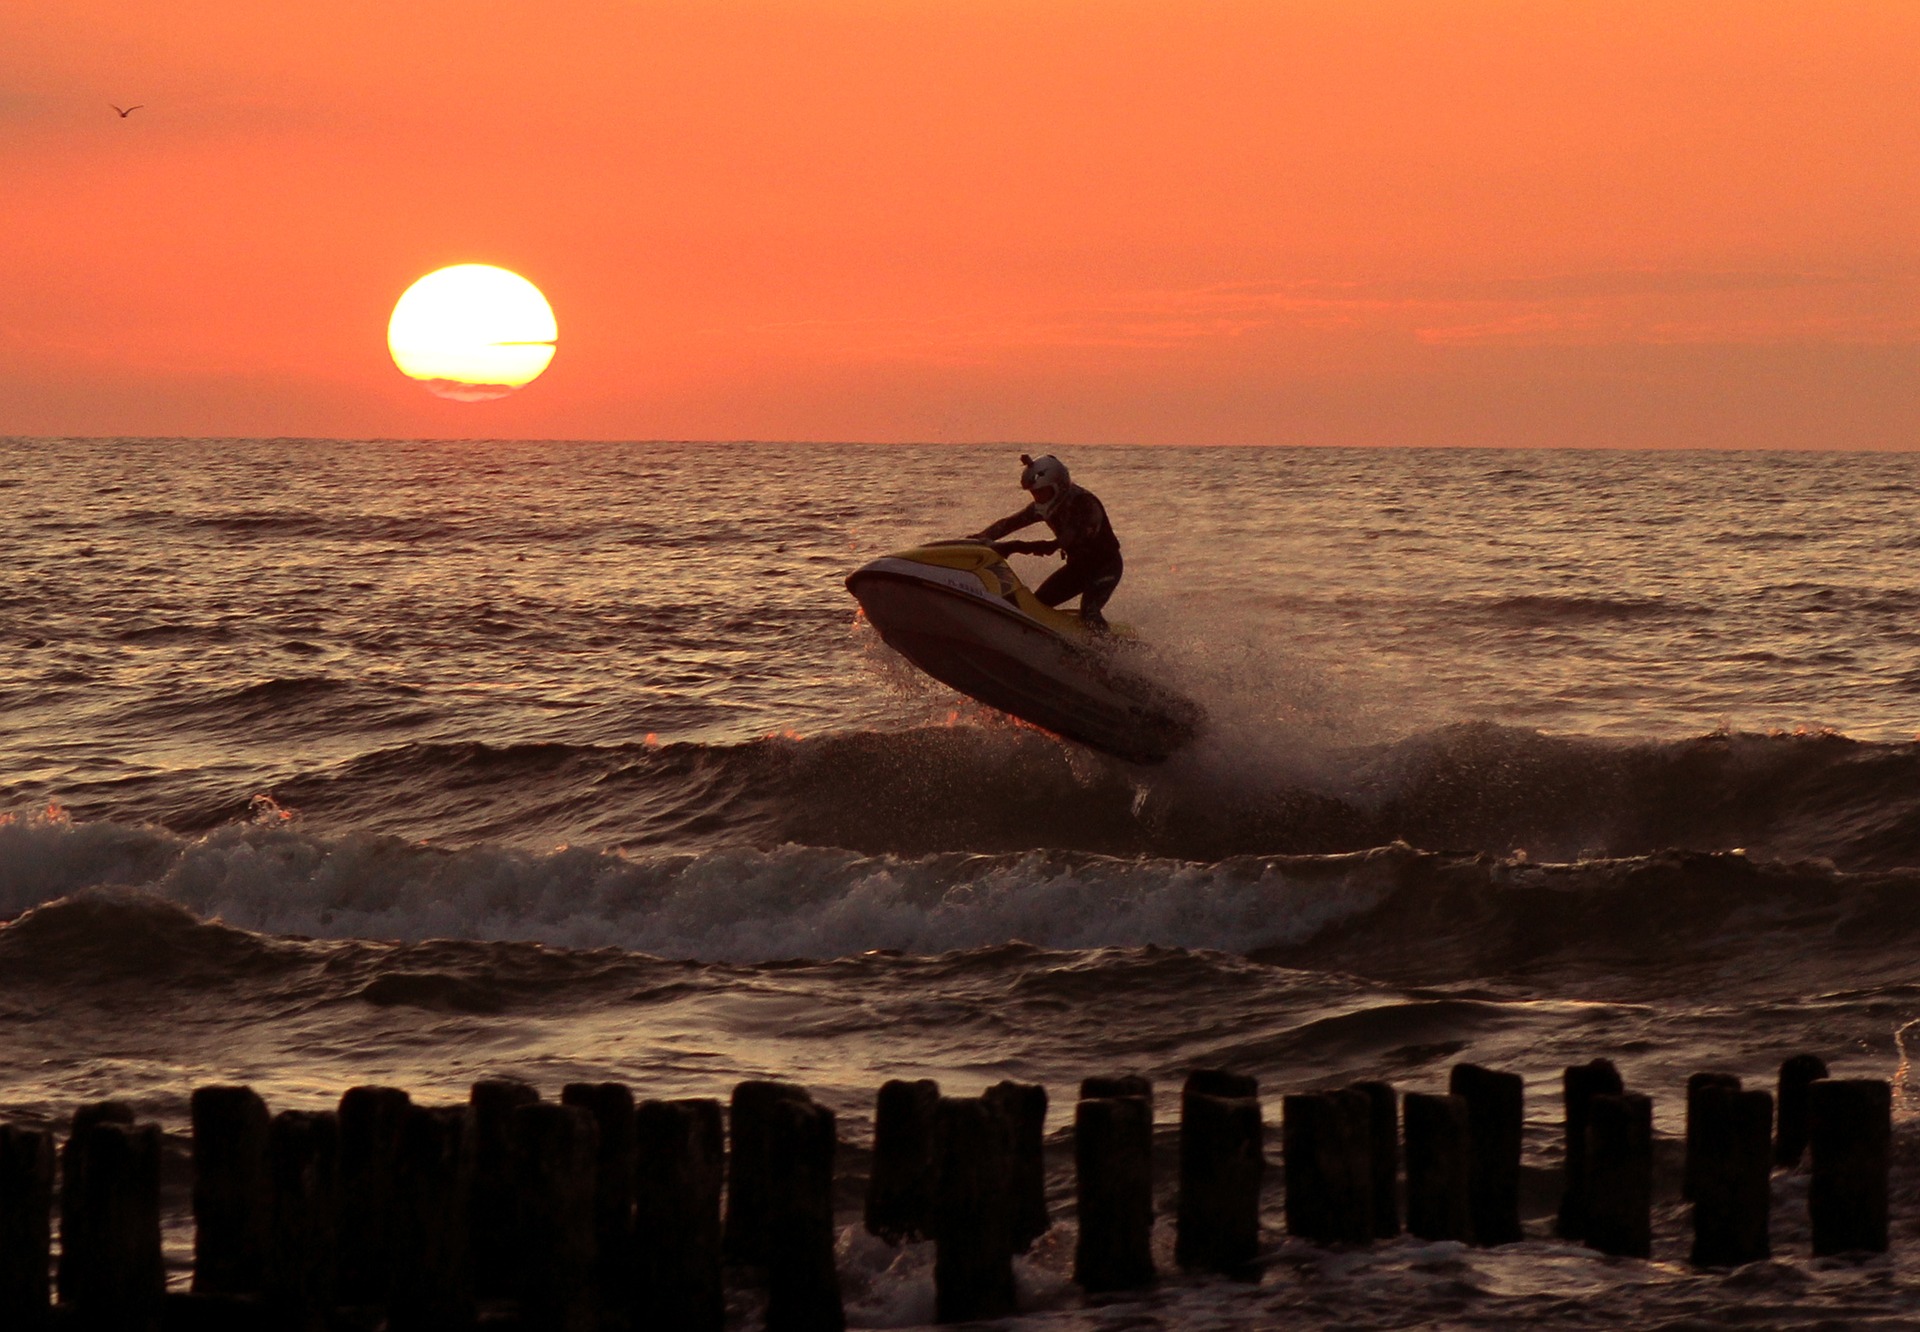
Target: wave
(1002, 788)
(308, 704)
(740, 904)
(285, 523)
(106, 899)
(1544, 611)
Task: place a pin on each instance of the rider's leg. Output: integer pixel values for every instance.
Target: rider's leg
(1069, 580)
(1094, 599)
(1092, 582)
(1101, 582)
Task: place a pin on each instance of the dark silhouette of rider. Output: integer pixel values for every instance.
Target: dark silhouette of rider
(1081, 533)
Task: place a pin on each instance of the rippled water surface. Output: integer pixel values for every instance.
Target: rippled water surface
(335, 762)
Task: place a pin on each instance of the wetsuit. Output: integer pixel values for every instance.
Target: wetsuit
(1081, 533)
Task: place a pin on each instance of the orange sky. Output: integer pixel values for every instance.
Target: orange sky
(1506, 222)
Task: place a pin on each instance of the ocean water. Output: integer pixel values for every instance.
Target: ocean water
(331, 762)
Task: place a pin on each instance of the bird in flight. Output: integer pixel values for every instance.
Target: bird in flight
(128, 111)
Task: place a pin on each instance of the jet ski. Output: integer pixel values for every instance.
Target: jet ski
(957, 610)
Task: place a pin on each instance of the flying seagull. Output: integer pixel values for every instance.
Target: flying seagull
(129, 111)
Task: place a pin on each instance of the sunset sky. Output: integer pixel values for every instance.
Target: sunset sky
(1558, 222)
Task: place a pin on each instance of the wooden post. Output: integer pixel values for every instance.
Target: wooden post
(370, 1123)
(1325, 1149)
(1730, 1161)
(303, 1153)
(1580, 1083)
(803, 1287)
(232, 1197)
(1697, 1083)
(611, 1105)
(1796, 1075)
(1383, 1155)
(492, 1222)
(1495, 1113)
(1439, 1149)
(1127, 1084)
(1222, 1163)
(26, 1227)
(77, 1246)
(680, 1163)
(900, 1184)
(748, 1166)
(1850, 1128)
(1113, 1161)
(556, 1155)
(1619, 1180)
(432, 1274)
(114, 1229)
(1025, 1107)
(1222, 1083)
(973, 1211)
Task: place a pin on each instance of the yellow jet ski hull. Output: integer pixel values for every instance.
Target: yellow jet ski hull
(959, 612)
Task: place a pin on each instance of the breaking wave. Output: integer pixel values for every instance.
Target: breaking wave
(1388, 909)
(999, 788)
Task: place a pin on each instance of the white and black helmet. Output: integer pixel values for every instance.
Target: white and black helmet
(1045, 478)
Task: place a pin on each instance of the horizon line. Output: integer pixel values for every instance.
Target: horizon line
(1029, 444)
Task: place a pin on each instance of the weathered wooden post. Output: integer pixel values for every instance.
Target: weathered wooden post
(1697, 1084)
(26, 1227)
(1796, 1075)
(113, 1232)
(1580, 1083)
(432, 1274)
(77, 1246)
(492, 1224)
(900, 1184)
(1325, 1150)
(680, 1163)
(1439, 1175)
(303, 1152)
(1113, 1162)
(1850, 1129)
(973, 1211)
(1730, 1161)
(1619, 1180)
(611, 1105)
(370, 1123)
(1383, 1155)
(232, 1191)
(749, 1163)
(556, 1156)
(1495, 1114)
(1221, 1083)
(1025, 1106)
(1222, 1163)
(1126, 1084)
(803, 1287)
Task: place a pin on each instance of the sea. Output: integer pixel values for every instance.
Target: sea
(332, 762)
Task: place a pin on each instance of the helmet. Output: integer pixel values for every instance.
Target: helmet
(1045, 478)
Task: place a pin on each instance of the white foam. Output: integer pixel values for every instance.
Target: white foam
(736, 905)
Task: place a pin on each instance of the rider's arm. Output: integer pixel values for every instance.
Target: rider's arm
(1027, 517)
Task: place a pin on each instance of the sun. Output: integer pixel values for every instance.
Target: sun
(472, 332)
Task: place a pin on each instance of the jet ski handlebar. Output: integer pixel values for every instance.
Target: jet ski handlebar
(1002, 548)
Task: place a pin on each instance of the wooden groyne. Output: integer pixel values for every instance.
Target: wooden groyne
(597, 1213)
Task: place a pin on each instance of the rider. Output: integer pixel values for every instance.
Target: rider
(1081, 533)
